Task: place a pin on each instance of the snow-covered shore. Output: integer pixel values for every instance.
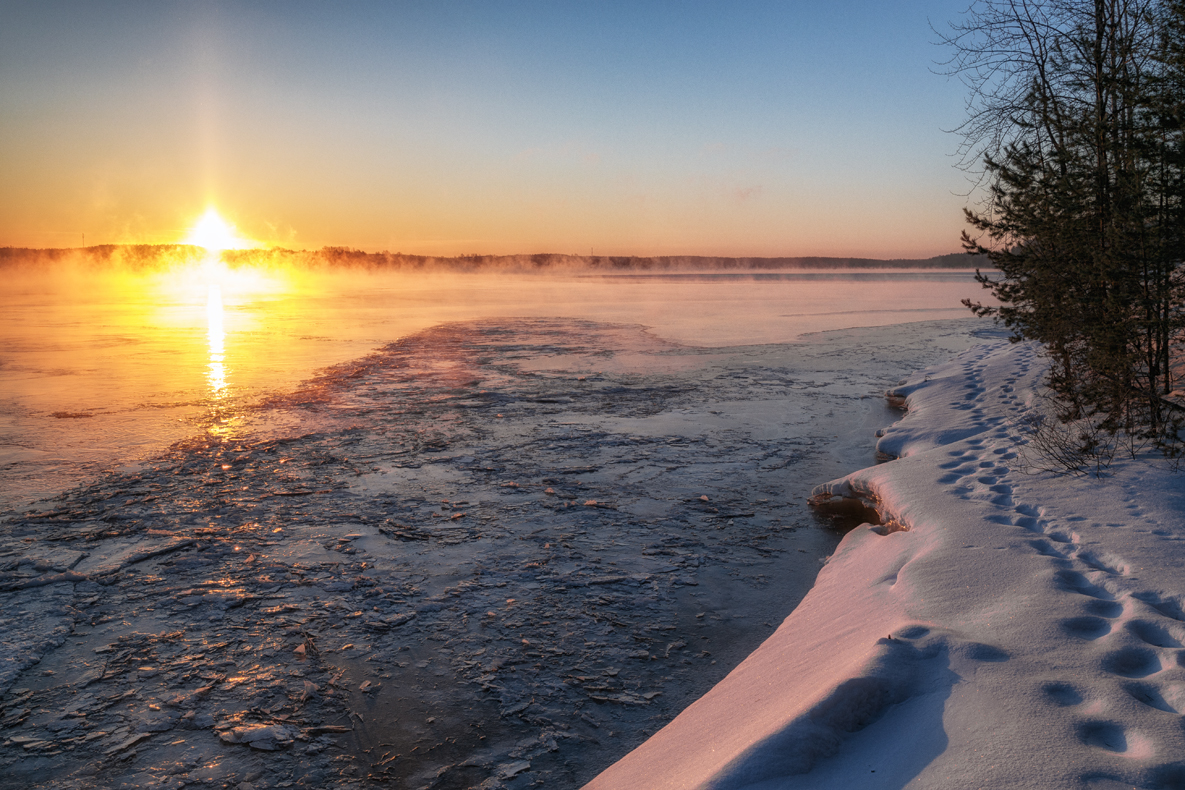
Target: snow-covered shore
(1006, 628)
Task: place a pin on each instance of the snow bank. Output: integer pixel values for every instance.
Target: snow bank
(1001, 628)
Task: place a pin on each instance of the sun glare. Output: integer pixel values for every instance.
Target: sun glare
(213, 233)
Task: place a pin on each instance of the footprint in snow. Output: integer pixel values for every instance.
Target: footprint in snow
(1073, 581)
(1063, 695)
(1086, 627)
(1155, 634)
(1132, 662)
(1168, 697)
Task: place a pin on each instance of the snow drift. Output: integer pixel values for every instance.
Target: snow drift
(997, 628)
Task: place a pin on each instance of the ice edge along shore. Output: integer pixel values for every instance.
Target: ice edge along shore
(1002, 627)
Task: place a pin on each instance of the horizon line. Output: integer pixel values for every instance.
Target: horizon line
(352, 251)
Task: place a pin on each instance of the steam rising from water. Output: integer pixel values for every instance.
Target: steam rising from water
(154, 345)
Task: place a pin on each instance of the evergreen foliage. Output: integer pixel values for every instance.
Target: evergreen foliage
(1077, 113)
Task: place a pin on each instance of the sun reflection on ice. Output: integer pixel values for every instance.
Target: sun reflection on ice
(222, 417)
(216, 368)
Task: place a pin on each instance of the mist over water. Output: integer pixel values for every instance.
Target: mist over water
(100, 368)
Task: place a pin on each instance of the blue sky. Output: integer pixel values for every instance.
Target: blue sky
(755, 128)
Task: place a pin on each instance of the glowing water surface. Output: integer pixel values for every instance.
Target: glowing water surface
(99, 369)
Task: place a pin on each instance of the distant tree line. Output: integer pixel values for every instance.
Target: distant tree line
(145, 256)
(626, 263)
(127, 256)
(1077, 114)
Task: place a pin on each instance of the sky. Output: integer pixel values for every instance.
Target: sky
(445, 127)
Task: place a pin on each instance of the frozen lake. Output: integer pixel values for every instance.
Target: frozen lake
(100, 370)
(436, 531)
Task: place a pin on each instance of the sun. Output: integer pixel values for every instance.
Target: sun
(213, 233)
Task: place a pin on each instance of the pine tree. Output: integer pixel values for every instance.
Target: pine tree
(1084, 219)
